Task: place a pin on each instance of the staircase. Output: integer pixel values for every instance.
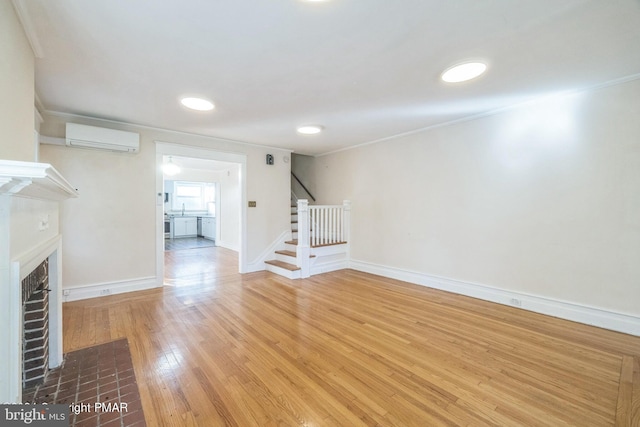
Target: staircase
(319, 241)
(285, 262)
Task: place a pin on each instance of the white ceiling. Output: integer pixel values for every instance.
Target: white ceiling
(364, 69)
(199, 164)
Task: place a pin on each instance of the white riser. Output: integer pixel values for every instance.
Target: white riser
(285, 258)
(283, 272)
(289, 247)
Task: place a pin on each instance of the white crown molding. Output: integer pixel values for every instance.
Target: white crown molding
(33, 180)
(20, 6)
(37, 118)
(39, 108)
(38, 102)
(614, 321)
(50, 140)
(177, 132)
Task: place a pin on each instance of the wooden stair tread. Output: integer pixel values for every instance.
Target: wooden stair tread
(284, 265)
(292, 242)
(291, 253)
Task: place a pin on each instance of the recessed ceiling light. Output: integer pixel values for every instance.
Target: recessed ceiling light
(197, 104)
(310, 129)
(463, 72)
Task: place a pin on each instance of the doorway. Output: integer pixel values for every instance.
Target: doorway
(223, 217)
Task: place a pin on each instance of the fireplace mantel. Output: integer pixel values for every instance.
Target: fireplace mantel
(29, 232)
(34, 180)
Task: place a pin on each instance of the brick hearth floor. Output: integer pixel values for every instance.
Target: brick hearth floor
(103, 374)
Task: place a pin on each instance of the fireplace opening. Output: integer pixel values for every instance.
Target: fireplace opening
(35, 343)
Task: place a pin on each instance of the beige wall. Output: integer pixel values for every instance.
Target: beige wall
(16, 89)
(229, 213)
(109, 231)
(542, 200)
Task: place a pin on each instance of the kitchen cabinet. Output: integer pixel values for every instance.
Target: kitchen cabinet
(209, 228)
(185, 226)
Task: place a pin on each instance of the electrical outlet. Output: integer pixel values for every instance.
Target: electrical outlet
(66, 292)
(516, 302)
(252, 204)
(105, 292)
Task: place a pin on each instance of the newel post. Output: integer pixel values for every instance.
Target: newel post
(303, 250)
(346, 223)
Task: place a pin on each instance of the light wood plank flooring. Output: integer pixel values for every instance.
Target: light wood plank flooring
(347, 348)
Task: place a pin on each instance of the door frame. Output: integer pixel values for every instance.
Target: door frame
(172, 149)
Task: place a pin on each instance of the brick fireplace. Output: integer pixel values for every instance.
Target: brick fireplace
(30, 274)
(35, 332)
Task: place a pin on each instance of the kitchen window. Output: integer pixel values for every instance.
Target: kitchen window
(194, 196)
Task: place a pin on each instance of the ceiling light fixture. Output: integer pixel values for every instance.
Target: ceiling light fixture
(310, 129)
(170, 168)
(463, 72)
(198, 104)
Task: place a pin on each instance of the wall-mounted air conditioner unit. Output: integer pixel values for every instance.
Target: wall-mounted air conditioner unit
(102, 139)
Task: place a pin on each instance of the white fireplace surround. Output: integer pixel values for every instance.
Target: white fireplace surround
(30, 196)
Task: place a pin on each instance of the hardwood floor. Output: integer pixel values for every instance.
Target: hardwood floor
(348, 349)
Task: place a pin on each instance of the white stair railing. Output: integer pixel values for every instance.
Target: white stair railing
(322, 225)
(328, 224)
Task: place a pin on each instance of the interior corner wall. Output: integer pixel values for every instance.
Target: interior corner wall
(542, 199)
(17, 94)
(109, 231)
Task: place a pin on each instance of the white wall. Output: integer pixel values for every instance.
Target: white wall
(16, 89)
(109, 231)
(229, 210)
(542, 200)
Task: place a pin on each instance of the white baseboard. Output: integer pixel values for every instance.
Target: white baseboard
(326, 267)
(565, 310)
(108, 288)
(224, 244)
(326, 263)
(269, 253)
